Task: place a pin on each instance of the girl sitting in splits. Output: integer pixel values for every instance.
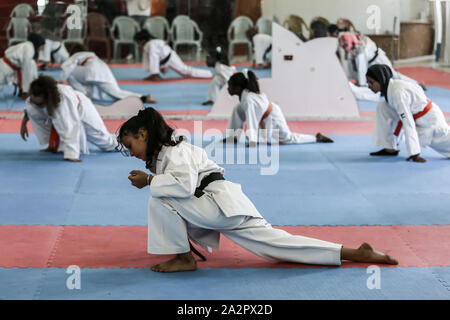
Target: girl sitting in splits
(65, 119)
(258, 112)
(407, 110)
(87, 73)
(219, 61)
(190, 199)
(159, 57)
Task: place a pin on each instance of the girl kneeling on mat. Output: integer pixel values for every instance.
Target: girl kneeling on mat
(191, 200)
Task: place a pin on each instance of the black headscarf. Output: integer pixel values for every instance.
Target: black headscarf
(381, 73)
(37, 41)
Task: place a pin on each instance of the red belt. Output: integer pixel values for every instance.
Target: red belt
(86, 60)
(53, 142)
(415, 116)
(16, 69)
(265, 115)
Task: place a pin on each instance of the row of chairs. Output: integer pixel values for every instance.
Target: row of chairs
(96, 28)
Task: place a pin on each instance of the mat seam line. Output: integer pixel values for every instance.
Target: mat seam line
(436, 276)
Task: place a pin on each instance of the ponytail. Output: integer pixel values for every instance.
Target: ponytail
(249, 81)
(252, 85)
(159, 132)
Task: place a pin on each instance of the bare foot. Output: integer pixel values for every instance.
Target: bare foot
(365, 253)
(208, 103)
(149, 99)
(182, 262)
(153, 77)
(321, 138)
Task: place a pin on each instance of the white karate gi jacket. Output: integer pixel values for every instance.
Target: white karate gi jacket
(75, 120)
(404, 100)
(157, 50)
(154, 51)
(46, 54)
(180, 170)
(96, 70)
(21, 55)
(94, 78)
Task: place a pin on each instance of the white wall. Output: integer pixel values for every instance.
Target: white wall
(355, 10)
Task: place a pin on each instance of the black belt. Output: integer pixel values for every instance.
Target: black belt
(53, 52)
(206, 181)
(164, 61)
(374, 57)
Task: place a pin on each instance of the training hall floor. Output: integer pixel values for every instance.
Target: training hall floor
(56, 214)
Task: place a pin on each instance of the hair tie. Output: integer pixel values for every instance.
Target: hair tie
(245, 73)
(219, 49)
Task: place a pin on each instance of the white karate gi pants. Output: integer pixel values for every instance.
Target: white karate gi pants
(172, 220)
(98, 90)
(176, 64)
(432, 129)
(275, 121)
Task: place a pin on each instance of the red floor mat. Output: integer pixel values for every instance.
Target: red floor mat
(126, 246)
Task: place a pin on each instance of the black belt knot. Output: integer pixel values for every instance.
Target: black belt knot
(206, 181)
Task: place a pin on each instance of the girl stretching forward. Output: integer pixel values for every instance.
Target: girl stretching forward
(190, 199)
(259, 113)
(219, 61)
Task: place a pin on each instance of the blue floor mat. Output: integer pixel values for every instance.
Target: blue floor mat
(316, 184)
(228, 284)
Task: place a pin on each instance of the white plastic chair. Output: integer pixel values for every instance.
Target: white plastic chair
(184, 31)
(158, 27)
(126, 29)
(73, 35)
(20, 27)
(238, 29)
(264, 25)
(22, 10)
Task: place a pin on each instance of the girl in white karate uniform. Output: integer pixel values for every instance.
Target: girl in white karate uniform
(258, 112)
(406, 111)
(365, 54)
(190, 199)
(65, 119)
(219, 61)
(159, 57)
(87, 73)
(18, 63)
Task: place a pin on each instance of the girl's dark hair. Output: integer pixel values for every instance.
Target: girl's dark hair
(239, 80)
(46, 87)
(318, 29)
(77, 47)
(218, 55)
(159, 132)
(143, 35)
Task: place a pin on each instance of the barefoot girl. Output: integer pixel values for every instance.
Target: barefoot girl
(191, 200)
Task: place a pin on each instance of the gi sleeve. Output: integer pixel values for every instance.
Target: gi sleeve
(67, 124)
(180, 176)
(67, 68)
(402, 105)
(28, 67)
